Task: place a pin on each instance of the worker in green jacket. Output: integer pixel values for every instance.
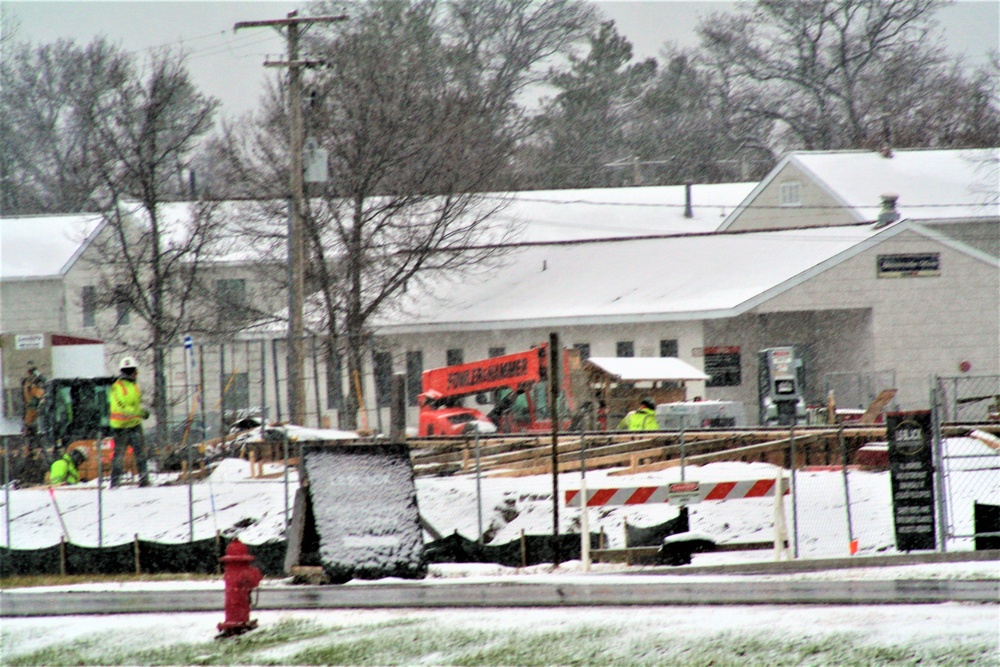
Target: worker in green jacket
(66, 469)
(642, 419)
(127, 413)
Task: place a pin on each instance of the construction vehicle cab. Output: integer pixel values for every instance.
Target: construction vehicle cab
(516, 385)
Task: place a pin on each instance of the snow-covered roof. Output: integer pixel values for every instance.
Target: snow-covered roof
(639, 369)
(557, 215)
(938, 185)
(685, 277)
(43, 246)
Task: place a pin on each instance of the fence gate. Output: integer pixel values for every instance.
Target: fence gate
(969, 462)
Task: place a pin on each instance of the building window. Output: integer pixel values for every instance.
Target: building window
(583, 349)
(454, 357)
(231, 299)
(382, 363)
(668, 347)
(497, 352)
(237, 395)
(791, 193)
(414, 375)
(334, 390)
(123, 314)
(722, 364)
(88, 304)
(625, 348)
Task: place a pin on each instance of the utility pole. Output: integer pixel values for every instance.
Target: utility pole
(290, 28)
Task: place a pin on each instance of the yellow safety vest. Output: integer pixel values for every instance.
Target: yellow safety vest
(125, 399)
(63, 471)
(642, 419)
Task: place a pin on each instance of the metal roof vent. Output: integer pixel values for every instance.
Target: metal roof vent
(888, 214)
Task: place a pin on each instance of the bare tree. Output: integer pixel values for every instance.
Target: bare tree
(837, 73)
(151, 265)
(48, 98)
(417, 104)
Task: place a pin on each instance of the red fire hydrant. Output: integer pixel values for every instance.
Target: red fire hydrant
(241, 578)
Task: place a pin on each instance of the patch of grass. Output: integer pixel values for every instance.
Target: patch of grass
(414, 641)
(234, 650)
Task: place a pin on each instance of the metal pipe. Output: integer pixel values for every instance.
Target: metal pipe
(277, 379)
(847, 488)
(795, 493)
(319, 406)
(554, 416)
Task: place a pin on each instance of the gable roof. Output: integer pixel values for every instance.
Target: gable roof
(631, 280)
(932, 185)
(44, 246)
(557, 215)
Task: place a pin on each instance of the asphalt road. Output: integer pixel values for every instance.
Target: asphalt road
(509, 594)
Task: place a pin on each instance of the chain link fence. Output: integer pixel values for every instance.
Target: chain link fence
(968, 458)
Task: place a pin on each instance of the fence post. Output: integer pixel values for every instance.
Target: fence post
(851, 542)
(937, 445)
(135, 550)
(62, 555)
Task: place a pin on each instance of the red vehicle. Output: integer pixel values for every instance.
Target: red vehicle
(515, 384)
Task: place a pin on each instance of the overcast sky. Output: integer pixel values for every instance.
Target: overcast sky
(229, 65)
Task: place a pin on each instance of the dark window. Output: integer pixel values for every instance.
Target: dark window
(123, 312)
(722, 364)
(88, 304)
(414, 375)
(583, 349)
(334, 390)
(625, 348)
(454, 357)
(497, 352)
(382, 362)
(231, 299)
(238, 394)
(668, 347)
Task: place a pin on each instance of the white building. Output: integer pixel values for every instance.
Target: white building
(799, 259)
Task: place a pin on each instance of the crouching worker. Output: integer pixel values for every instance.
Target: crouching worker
(66, 469)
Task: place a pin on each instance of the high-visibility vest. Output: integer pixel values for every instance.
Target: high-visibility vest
(63, 471)
(125, 400)
(642, 419)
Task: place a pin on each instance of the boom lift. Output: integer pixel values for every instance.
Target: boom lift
(519, 383)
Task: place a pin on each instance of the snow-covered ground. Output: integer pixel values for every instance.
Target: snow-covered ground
(233, 502)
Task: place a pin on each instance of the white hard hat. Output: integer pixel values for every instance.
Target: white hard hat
(127, 362)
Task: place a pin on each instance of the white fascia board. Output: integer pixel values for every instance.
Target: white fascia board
(83, 246)
(582, 320)
(748, 200)
(949, 242)
(853, 251)
(825, 187)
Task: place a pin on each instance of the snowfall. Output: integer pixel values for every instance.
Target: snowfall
(233, 502)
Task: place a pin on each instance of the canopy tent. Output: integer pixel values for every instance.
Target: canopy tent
(613, 380)
(644, 369)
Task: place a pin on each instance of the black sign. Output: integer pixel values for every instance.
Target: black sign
(911, 470)
(907, 266)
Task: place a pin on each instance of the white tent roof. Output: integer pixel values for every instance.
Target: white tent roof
(43, 246)
(938, 185)
(688, 277)
(638, 369)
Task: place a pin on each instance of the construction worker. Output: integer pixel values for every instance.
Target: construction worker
(32, 392)
(127, 413)
(66, 469)
(642, 419)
